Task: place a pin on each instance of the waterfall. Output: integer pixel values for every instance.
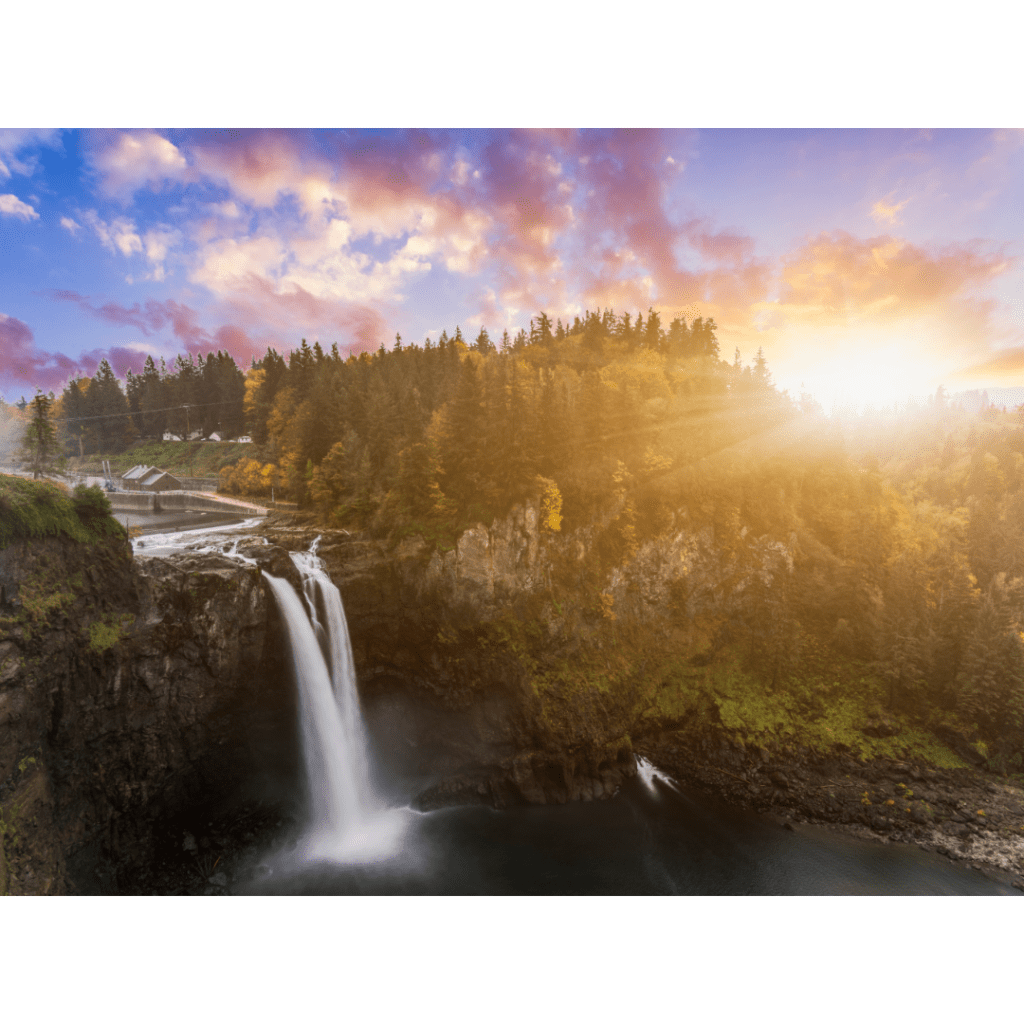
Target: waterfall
(647, 774)
(347, 817)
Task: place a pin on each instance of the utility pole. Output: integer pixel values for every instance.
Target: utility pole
(188, 438)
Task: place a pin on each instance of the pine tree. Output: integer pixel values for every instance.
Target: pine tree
(653, 332)
(677, 341)
(40, 449)
(991, 679)
(483, 342)
(466, 435)
(74, 408)
(106, 402)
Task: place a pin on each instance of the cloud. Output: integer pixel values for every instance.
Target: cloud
(303, 208)
(1006, 365)
(150, 318)
(315, 201)
(257, 318)
(883, 213)
(869, 315)
(120, 235)
(71, 226)
(158, 242)
(12, 206)
(23, 366)
(14, 140)
(283, 315)
(839, 275)
(127, 161)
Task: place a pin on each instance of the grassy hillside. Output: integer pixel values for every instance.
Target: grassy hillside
(35, 508)
(182, 458)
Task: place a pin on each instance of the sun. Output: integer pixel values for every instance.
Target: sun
(868, 372)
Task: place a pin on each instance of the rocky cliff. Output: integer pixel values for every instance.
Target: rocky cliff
(141, 696)
(491, 670)
(130, 691)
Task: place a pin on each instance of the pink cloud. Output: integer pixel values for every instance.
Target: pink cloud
(258, 167)
(626, 176)
(22, 365)
(285, 316)
(148, 318)
(258, 316)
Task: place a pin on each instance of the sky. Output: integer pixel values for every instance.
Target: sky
(870, 265)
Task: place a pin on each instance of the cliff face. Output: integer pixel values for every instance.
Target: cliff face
(465, 656)
(134, 692)
(128, 691)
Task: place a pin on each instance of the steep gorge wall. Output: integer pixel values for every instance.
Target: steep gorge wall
(137, 690)
(129, 690)
(458, 652)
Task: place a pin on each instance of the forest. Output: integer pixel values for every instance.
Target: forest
(886, 546)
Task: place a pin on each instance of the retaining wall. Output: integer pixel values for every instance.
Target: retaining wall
(170, 501)
(203, 503)
(133, 501)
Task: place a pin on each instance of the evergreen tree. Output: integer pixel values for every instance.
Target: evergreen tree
(107, 407)
(466, 435)
(73, 406)
(677, 340)
(40, 448)
(483, 342)
(653, 332)
(991, 679)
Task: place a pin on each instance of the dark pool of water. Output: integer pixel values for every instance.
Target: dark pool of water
(646, 841)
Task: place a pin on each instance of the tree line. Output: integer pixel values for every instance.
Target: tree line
(196, 396)
(893, 545)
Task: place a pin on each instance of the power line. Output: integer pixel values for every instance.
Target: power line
(140, 412)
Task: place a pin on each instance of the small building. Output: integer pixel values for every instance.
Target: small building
(215, 437)
(149, 478)
(130, 480)
(168, 436)
(158, 480)
(244, 439)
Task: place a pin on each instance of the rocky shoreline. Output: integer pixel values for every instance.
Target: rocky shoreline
(966, 815)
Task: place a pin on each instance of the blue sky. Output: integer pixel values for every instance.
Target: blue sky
(868, 264)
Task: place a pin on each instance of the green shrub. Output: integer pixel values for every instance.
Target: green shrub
(35, 508)
(90, 503)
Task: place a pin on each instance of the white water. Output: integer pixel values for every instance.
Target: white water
(159, 545)
(647, 774)
(348, 820)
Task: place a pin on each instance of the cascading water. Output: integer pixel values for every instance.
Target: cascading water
(647, 774)
(348, 819)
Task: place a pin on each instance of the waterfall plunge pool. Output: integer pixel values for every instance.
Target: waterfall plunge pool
(653, 838)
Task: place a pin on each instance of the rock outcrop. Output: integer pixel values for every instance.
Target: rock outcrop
(451, 694)
(129, 691)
